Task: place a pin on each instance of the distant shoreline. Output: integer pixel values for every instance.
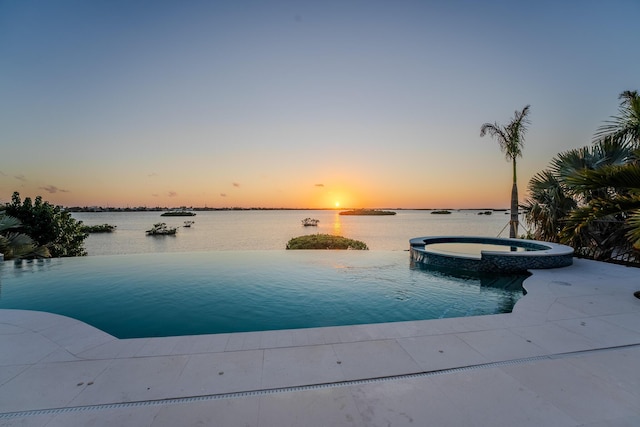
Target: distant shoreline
(205, 209)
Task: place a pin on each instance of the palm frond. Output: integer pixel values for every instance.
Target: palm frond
(496, 131)
(8, 222)
(616, 210)
(509, 137)
(548, 206)
(634, 229)
(621, 177)
(569, 162)
(14, 244)
(624, 127)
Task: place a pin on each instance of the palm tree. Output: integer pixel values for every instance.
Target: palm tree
(589, 198)
(556, 194)
(511, 140)
(624, 127)
(15, 244)
(548, 205)
(618, 203)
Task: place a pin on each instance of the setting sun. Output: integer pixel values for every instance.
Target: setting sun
(337, 204)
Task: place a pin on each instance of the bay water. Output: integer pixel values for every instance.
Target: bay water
(272, 229)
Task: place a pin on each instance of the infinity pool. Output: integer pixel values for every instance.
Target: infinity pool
(219, 292)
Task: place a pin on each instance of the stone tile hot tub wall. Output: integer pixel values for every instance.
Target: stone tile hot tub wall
(541, 255)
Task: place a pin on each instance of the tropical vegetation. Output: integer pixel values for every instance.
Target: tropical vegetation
(589, 197)
(16, 245)
(310, 222)
(180, 212)
(48, 226)
(103, 228)
(161, 229)
(325, 241)
(511, 140)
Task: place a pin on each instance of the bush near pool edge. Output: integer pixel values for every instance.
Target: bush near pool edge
(325, 241)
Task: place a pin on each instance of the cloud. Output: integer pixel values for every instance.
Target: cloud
(223, 195)
(152, 174)
(155, 195)
(52, 189)
(20, 178)
(319, 185)
(2, 173)
(172, 194)
(235, 184)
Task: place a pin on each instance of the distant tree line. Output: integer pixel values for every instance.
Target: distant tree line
(160, 209)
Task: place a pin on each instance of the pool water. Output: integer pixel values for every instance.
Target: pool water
(472, 248)
(169, 294)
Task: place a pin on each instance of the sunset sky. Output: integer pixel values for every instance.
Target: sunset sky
(300, 103)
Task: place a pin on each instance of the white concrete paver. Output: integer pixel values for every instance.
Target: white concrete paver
(25, 348)
(438, 352)
(620, 368)
(501, 344)
(554, 338)
(576, 392)
(49, 385)
(133, 379)
(372, 359)
(492, 397)
(286, 367)
(216, 373)
(599, 331)
(327, 407)
(629, 320)
(567, 356)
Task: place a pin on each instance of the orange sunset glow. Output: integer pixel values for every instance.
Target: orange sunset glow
(297, 105)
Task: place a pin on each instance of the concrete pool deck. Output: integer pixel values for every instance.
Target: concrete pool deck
(568, 355)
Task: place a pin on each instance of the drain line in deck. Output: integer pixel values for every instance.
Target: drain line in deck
(280, 390)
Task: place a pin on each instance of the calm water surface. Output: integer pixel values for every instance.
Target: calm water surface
(229, 272)
(271, 230)
(186, 293)
(457, 248)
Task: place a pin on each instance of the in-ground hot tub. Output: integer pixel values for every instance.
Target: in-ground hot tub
(489, 254)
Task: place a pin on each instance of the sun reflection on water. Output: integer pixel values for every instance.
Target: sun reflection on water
(337, 225)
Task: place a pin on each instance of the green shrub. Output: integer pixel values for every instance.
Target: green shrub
(325, 241)
(48, 225)
(104, 228)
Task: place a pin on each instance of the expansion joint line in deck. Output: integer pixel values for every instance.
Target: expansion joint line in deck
(310, 387)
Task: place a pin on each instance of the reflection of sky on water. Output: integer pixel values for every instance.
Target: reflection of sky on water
(234, 291)
(271, 230)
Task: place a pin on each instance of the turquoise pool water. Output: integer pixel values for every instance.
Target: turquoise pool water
(472, 248)
(218, 292)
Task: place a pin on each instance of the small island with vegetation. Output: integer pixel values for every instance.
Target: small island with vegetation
(104, 228)
(367, 212)
(161, 229)
(441, 212)
(310, 222)
(178, 212)
(325, 241)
